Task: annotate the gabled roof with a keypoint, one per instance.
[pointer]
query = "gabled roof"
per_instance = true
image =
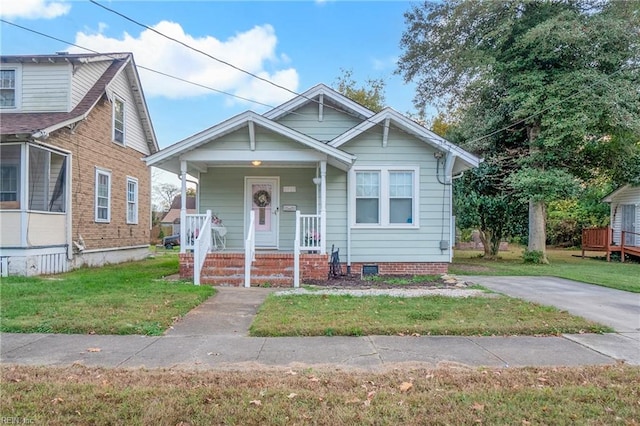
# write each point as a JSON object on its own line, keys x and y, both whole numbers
{"x": 172, "y": 153}
{"x": 312, "y": 95}
{"x": 609, "y": 198}
{"x": 409, "y": 126}
{"x": 39, "y": 124}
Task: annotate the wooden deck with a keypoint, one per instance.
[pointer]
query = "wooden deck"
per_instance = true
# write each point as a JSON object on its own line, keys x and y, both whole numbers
{"x": 601, "y": 239}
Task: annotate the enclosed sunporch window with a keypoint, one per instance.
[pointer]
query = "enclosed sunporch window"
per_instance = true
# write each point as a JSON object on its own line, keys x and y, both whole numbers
{"x": 47, "y": 180}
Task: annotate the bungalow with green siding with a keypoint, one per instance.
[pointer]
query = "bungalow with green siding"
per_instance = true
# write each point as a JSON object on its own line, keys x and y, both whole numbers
{"x": 317, "y": 172}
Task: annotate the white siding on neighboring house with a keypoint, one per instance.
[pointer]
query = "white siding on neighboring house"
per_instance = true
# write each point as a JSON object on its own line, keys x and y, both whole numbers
{"x": 84, "y": 77}
{"x": 393, "y": 244}
{"x": 628, "y": 196}
{"x": 134, "y": 134}
{"x": 45, "y": 87}
{"x": 305, "y": 120}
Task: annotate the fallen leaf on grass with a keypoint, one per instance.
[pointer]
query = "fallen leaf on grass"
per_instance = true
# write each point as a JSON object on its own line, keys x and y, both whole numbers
{"x": 292, "y": 395}
{"x": 405, "y": 386}
{"x": 477, "y": 406}
{"x": 255, "y": 402}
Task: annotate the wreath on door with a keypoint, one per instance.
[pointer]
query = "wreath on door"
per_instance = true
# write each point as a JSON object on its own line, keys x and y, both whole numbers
{"x": 262, "y": 198}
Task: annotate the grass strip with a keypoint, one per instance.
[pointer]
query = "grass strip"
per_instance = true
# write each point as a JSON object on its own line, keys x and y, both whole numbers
{"x": 81, "y": 395}
{"x": 129, "y": 298}
{"x": 344, "y": 315}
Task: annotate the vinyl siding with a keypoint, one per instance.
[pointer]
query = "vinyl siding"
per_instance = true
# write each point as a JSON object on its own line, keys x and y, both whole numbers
{"x": 134, "y": 133}
{"x": 403, "y": 245}
{"x": 631, "y": 195}
{"x": 305, "y": 120}
{"x": 45, "y": 87}
{"x": 84, "y": 77}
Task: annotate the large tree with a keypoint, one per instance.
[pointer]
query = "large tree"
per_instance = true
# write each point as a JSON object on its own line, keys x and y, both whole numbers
{"x": 548, "y": 82}
{"x": 370, "y": 95}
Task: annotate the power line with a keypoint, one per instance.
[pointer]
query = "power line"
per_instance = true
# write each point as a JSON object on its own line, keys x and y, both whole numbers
{"x": 137, "y": 65}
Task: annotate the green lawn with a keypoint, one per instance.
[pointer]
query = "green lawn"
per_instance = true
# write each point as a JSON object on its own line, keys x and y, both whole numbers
{"x": 318, "y": 315}
{"x": 563, "y": 264}
{"x": 130, "y": 298}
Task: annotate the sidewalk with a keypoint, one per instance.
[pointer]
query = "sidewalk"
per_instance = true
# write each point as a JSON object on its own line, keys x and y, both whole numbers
{"x": 215, "y": 336}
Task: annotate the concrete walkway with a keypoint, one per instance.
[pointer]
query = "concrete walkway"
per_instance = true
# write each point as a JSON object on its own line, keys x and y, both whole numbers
{"x": 215, "y": 336}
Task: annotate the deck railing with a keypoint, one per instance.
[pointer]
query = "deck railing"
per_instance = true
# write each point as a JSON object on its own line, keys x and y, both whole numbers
{"x": 596, "y": 238}
{"x": 202, "y": 246}
{"x": 250, "y": 249}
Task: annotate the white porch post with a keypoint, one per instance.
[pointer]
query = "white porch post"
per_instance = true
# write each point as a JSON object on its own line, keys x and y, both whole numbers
{"x": 323, "y": 206}
{"x": 183, "y": 206}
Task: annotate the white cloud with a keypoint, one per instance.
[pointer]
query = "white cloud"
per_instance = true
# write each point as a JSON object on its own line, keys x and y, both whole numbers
{"x": 384, "y": 64}
{"x": 253, "y": 50}
{"x": 33, "y": 9}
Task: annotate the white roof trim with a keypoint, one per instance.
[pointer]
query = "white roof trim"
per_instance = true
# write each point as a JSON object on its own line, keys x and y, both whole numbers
{"x": 408, "y": 126}
{"x": 238, "y": 122}
{"x": 609, "y": 198}
{"x": 310, "y": 95}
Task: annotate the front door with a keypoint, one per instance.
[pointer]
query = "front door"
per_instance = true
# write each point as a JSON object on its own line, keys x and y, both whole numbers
{"x": 261, "y": 195}
{"x": 628, "y": 223}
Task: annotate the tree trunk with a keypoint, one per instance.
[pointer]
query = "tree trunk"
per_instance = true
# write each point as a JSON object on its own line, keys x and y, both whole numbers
{"x": 537, "y": 228}
{"x": 487, "y": 242}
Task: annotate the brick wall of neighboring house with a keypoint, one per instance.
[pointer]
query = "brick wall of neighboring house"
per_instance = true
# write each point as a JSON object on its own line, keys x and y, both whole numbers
{"x": 92, "y": 146}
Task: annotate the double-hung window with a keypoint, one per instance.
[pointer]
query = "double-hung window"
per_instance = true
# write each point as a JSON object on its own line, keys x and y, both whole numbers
{"x": 118, "y": 120}
{"x": 132, "y": 200}
{"x": 8, "y": 87}
{"x": 103, "y": 196}
{"x": 385, "y": 196}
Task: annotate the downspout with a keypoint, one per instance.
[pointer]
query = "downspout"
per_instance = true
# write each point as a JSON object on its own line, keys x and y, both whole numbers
{"x": 183, "y": 206}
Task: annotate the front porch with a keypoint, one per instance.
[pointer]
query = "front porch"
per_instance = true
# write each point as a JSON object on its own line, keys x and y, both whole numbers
{"x": 601, "y": 239}
{"x": 269, "y": 269}
{"x": 203, "y": 256}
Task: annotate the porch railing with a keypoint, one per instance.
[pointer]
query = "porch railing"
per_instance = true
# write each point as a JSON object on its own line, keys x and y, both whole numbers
{"x": 194, "y": 223}
{"x": 250, "y": 249}
{"x": 307, "y": 237}
{"x": 202, "y": 246}
{"x": 309, "y": 231}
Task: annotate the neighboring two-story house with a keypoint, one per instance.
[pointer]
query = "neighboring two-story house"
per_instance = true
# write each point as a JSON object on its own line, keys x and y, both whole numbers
{"x": 74, "y": 190}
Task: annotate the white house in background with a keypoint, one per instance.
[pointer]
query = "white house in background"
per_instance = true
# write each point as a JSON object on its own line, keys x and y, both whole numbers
{"x": 625, "y": 214}
{"x": 73, "y": 187}
{"x": 319, "y": 171}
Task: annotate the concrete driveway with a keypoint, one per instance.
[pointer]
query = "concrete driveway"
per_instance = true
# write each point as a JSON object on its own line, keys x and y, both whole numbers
{"x": 615, "y": 308}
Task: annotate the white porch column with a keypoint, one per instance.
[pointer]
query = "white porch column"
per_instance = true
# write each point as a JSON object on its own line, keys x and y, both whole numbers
{"x": 323, "y": 206}
{"x": 183, "y": 206}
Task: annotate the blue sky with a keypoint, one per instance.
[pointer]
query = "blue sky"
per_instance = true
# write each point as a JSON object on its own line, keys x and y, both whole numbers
{"x": 294, "y": 43}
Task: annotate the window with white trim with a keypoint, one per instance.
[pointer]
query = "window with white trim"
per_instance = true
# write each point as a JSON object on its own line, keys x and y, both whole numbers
{"x": 103, "y": 196}
{"x": 8, "y": 86}
{"x": 132, "y": 200}
{"x": 118, "y": 120}
{"x": 9, "y": 182}
{"x": 385, "y": 196}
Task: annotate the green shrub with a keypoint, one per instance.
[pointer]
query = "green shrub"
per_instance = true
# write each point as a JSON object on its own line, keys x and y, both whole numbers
{"x": 533, "y": 256}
